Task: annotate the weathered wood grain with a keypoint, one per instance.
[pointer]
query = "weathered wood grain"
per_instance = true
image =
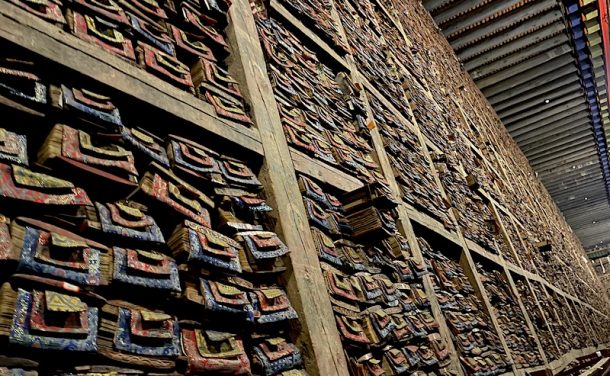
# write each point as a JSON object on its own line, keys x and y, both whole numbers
{"x": 318, "y": 336}
{"x": 49, "y": 41}
{"x": 321, "y": 171}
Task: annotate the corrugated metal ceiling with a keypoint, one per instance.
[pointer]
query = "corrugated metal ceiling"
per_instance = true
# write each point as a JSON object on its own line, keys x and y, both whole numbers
{"x": 540, "y": 64}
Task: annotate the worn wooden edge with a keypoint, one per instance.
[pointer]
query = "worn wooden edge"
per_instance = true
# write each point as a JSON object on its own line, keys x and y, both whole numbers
{"x": 49, "y": 41}
{"x": 482, "y": 252}
{"x": 404, "y": 224}
{"x": 599, "y": 366}
{"x": 525, "y": 314}
{"x": 505, "y": 235}
{"x": 315, "y": 332}
{"x": 470, "y": 270}
{"x": 432, "y": 146}
{"x": 545, "y": 319}
{"x": 309, "y": 34}
{"x": 576, "y": 316}
{"x": 431, "y": 223}
{"x": 559, "y": 364}
{"x": 381, "y": 98}
{"x": 323, "y": 172}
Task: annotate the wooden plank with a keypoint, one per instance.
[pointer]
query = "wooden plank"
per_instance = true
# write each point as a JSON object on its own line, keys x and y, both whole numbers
{"x": 525, "y": 314}
{"x": 469, "y": 267}
{"x": 317, "y": 336}
{"x": 32, "y": 33}
{"x": 407, "y": 230}
{"x": 322, "y": 171}
{"x": 381, "y": 98}
{"x": 599, "y": 366}
{"x": 310, "y": 35}
{"x": 543, "y": 314}
{"x": 430, "y": 223}
{"x": 474, "y": 247}
{"x": 432, "y": 146}
{"x": 505, "y": 234}
{"x": 586, "y": 324}
{"x": 404, "y": 223}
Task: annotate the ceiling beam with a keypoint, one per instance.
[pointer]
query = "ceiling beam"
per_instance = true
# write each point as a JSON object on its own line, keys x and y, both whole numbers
{"x": 545, "y": 119}
{"x": 594, "y": 191}
{"x": 596, "y": 233}
{"x": 586, "y": 222}
{"x": 537, "y": 100}
{"x": 495, "y": 61}
{"x": 582, "y": 190}
{"x": 600, "y": 209}
{"x": 560, "y": 170}
{"x": 493, "y": 48}
{"x": 550, "y": 181}
{"x": 593, "y": 194}
{"x": 583, "y": 217}
{"x": 460, "y": 9}
{"x": 533, "y": 67}
{"x": 571, "y": 159}
{"x": 567, "y": 152}
{"x": 578, "y": 130}
{"x": 577, "y": 204}
{"x": 508, "y": 90}
{"x": 566, "y": 79}
{"x": 536, "y": 154}
{"x": 501, "y": 24}
{"x": 567, "y": 183}
{"x": 431, "y": 5}
{"x": 544, "y": 107}
{"x": 570, "y": 171}
{"x": 558, "y": 126}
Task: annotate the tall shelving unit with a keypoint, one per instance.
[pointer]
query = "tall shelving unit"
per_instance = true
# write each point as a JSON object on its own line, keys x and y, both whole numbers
{"x": 316, "y": 333}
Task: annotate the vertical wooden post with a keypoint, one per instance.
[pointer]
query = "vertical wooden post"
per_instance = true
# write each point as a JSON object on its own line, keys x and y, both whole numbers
{"x": 528, "y": 321}
{"x": 512, "y": 283}
{"x": 542, "y": 313}
{"x": 318, "y": 337}
{"x": 404, "y": 223}
{"x": 469, "y": 267}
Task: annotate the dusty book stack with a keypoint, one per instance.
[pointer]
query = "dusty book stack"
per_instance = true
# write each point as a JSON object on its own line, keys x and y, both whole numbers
{"x": 269, "y": 188}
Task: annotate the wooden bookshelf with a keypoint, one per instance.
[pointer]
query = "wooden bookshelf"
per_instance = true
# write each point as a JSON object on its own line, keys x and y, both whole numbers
{"x": 316, "y": 332}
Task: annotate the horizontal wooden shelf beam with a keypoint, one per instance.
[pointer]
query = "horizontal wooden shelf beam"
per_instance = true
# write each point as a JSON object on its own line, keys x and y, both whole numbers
{"x": 480, "y": 251}
{"x": 385, "y": 101}
{"x": 320, "y": 45}
{"x": 483, "y": 193}
{"x": 49, "y": 41}
{"x": 535, "y": 277}
{"x": 559, "y": 364}
{"x": 432, "y": 147}
{"x": 430, "y": 223}
{"x": 324, "y": 172}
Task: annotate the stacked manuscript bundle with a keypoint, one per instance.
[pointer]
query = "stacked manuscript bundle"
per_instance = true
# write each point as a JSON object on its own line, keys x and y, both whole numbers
{"x": 126, "y": 249}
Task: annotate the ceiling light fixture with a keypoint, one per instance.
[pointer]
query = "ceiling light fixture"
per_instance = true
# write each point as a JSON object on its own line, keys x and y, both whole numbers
{"x": 586, "y": 198}
{"x": 547, "y": 101}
